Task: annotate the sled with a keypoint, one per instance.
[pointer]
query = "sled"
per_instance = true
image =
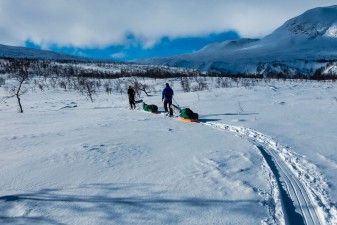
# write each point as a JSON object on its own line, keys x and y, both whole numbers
{"x": 189, "y": 120}
{"x": 187, "y": 115}
{"x": 150, "y": 108}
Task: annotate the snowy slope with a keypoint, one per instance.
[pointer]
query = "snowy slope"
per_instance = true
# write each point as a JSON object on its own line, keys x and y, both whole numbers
{"x": 69, "y": 161}
{"x": 22, "y": 52}
{"x": 104, "y": 164}
{"x": 297, "y": 45}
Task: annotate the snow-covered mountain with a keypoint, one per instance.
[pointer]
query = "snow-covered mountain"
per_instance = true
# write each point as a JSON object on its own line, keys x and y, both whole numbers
{"x": 22, "y": 52}
{"x": 302, "y": 44}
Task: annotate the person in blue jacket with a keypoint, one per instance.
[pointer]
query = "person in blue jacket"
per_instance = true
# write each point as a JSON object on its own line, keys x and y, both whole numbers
{"x": 167, "y": 97}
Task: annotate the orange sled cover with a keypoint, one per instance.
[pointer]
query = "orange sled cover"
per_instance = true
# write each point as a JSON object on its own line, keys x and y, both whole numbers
{"x": 189, "y": 120}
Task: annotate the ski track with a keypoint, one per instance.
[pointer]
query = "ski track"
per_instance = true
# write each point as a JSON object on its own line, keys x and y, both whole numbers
{"x": 302, "y": 189}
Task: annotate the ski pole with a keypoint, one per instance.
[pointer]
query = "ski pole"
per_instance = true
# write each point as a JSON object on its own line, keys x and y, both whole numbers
{"x": 176, "y": 106}
{"x": 138, "y": 100}
{"x": 176, "y": 102}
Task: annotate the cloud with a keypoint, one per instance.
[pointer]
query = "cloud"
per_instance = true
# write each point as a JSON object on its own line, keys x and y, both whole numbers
{"x": 118, "y": 55}
{"x": 98, "y": 24}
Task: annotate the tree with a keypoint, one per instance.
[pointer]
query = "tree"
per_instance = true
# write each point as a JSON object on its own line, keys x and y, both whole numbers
{"x": 185, "y": 84}
{"x": 87, "y": 87}
{"x": 139, "y": 87}
{"x": 19, "y": 72}
{"x": 2, "y": 81}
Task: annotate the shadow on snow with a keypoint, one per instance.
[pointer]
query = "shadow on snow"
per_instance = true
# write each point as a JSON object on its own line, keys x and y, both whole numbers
{"x": 230, "y": 114}
{"x": 142, "y": 206}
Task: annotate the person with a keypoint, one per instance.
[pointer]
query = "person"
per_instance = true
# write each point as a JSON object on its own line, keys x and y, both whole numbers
{"x": 131, "y": 94}
{"x": 167, "y": 97}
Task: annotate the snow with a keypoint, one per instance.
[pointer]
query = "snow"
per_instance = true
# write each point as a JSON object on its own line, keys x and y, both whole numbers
{"x": 332, "y": 31}
{"x": 69, "y": 161}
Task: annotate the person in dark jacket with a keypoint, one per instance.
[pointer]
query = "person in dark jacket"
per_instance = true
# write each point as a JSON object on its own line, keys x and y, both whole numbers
{"x": 167, "y": 97}
{"x": 131, "y": 94}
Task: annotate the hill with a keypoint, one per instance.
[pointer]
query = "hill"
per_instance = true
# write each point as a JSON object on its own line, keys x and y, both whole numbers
{"x": 22, "y": 52}
{"x": 301, "y": 45}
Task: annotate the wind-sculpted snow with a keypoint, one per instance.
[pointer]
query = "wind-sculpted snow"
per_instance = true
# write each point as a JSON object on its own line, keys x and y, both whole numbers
{"x": 301, "y": 179}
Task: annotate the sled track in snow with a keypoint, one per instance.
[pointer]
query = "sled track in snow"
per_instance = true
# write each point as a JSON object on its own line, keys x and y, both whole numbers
{"x": 302, "y": 190}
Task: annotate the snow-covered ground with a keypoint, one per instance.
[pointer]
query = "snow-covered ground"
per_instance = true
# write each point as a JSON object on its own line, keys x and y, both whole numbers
{"x": 261, "y": 155}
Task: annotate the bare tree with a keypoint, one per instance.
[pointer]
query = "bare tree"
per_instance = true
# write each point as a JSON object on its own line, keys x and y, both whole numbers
{"x": 19, "y": 71}
{"x": 53, "y": 82}
{"x": 201, "y": 84}
{"x": 223, "y": 82}
{"x": 185, "y": 84}
{"x": 119, "y": 86}
{"x": 87, "y": 87}
{"x": 139, "y": 87}
{"x": 63, "y": 84}
{"x": 42, "y": 86}
{"x": 2, "y": 81}
{"x": 240, "y": 108}
{"x": 145, "y": 88}
{"x": 107, "y": 87}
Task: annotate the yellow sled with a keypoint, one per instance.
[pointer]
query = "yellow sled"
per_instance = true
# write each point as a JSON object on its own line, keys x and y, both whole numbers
{"x": 189, "y": 120}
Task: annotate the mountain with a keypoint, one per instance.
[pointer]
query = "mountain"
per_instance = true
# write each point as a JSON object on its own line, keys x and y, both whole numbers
{"x": 302, "y": 44}
{"x": 22, "y": 52}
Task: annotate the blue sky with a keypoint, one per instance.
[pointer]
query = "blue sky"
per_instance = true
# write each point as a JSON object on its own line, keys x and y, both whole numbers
{"x": 131, "y": 29}
{"x": 165, "y": 47}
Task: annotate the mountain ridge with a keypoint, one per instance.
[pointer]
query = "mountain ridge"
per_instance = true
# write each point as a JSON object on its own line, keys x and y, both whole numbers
{"x": 23, "y": 52}
{"x": 298, "y": 46}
